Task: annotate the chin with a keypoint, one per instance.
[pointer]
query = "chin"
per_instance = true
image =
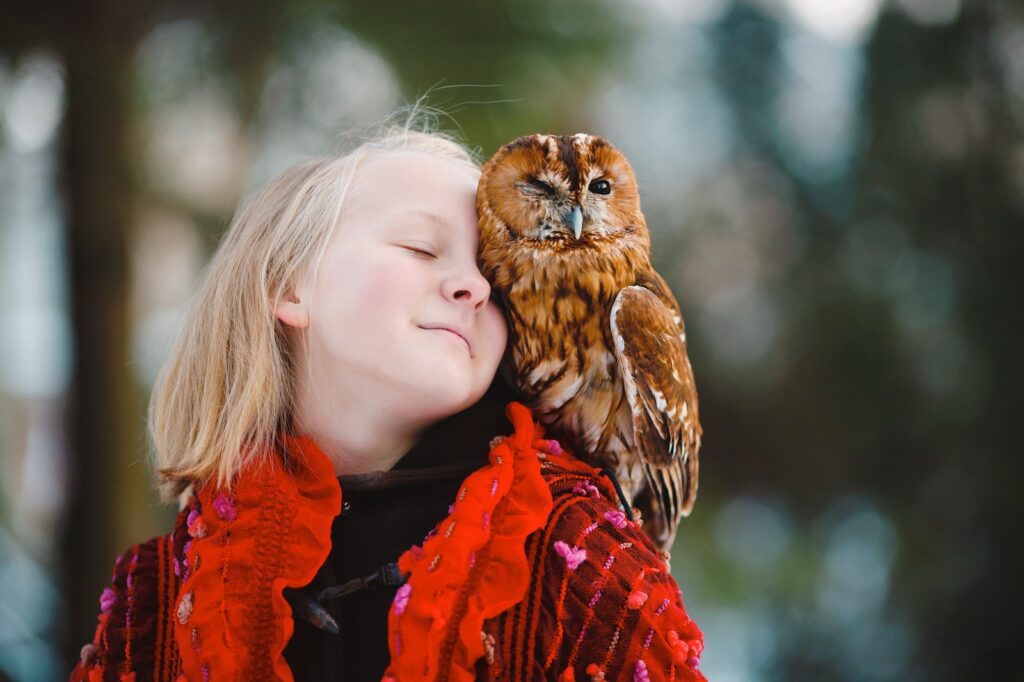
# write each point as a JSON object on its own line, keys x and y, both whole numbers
{"x": 444, "y": 394}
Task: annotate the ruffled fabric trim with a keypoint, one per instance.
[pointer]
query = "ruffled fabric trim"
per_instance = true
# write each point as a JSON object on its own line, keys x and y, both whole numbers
{"x": 271, "y": 530}
{"x": 473, "y": 566}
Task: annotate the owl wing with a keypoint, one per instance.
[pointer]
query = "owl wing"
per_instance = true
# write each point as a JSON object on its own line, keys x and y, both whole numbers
{"x": 650, "y": 347}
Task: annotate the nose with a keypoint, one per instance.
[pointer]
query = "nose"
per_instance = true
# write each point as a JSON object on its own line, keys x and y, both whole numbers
{"x": 468, "y": 286}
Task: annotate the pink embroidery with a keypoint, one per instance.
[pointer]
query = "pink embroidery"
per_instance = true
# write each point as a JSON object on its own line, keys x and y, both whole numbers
{"x": 640, "y": 672}
{"x": 88, "y": 654}
{"x": 636, "y": 599}
{"x": 574, "y": 556}
{"x": 225, "y": 508}
{"x": 586, "y": 489}
{"x": 489, "y": 642}
{"x": 554, "y": 447}
{"x": 185, "y": 608}
{"x": 107, "y": 600}
{"x": 616, "y": 518}
{"x": 683, "y": 650}
{"x": 197, "y": 528}
{"x": 402, "y": 599}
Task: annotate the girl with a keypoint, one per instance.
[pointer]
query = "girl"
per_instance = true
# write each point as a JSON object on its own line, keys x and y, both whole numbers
{"x": 331, "y": 403}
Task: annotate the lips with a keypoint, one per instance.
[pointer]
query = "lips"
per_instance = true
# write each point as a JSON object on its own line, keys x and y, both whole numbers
{"x": 457, "y": 331}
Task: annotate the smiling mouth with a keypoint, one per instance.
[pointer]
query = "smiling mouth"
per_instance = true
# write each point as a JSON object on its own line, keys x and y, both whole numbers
{"x": 454, "y": 333}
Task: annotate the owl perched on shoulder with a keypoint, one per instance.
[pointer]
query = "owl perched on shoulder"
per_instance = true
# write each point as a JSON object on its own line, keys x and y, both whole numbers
{"x": 597, "y": 344}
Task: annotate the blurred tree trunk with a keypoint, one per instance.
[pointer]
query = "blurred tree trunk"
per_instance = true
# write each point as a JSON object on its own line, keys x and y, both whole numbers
{"x": 97, "y": 40}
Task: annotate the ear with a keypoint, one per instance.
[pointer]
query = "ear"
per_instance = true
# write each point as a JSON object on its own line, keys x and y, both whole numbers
{"x": 293, "y": 310}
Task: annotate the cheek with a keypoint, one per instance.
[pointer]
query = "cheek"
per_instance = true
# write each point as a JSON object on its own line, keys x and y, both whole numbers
{"x": 370, "y": 297}
{"x": 495, "y": 330}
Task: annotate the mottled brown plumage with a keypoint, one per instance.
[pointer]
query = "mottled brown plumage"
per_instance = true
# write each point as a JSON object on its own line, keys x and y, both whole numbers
{"x": 596, "y": 340}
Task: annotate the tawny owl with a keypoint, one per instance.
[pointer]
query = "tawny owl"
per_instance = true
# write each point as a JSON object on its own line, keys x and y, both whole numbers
{"x": 597, "y": 344}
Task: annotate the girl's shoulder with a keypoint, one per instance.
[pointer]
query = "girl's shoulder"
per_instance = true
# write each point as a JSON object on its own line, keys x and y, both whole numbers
{"x": 133, "y": 630}
{"x": 601, "y": 603}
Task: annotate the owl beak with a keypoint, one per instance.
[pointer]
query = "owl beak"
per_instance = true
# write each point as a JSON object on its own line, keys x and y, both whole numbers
{"x": 575, "y": 219}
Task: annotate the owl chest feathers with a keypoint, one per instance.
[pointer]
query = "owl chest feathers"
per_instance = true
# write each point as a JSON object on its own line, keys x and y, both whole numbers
{"x": 562, "y": 348}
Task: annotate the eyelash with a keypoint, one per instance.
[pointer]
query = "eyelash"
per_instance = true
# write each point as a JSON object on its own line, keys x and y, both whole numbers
{"x": 420, "y": 252}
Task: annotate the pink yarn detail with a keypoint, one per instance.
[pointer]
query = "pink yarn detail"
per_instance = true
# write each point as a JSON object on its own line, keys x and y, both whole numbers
{"x": 574, "y": 556}
{"x": 640, "y": 672}
{"x": 616, "y": 518}
{"x": 636, "y": 599}
{"x": 185, "y": 608}
{"x": 225, "y": 508}
{"x": 554, "y": 447}
{"x": 107, "y": 600}
{"x": 586, "y": 489}
{"x": 197, "y": 528}
{"x": 402, "y": 599}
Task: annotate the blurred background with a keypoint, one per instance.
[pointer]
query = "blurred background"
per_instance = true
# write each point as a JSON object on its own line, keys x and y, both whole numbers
{"x": 835, "y": 190}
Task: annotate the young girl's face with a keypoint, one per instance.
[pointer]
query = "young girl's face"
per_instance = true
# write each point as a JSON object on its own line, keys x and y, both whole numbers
{"x": 399, "y": 315}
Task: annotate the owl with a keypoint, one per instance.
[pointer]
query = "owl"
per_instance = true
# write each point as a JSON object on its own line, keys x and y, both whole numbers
{"x": 597, "y": 345}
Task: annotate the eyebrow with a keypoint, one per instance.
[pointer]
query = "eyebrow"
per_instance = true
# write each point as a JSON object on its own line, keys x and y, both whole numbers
{"x": 430, "y": 216}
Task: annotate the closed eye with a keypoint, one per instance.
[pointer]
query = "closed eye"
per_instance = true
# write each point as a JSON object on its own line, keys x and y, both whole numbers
{"x": 537, "y": 186}
{"x": 423, "y": 253}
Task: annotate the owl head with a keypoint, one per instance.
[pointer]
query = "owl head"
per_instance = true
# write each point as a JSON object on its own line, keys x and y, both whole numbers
{"x": 561, "y": 194}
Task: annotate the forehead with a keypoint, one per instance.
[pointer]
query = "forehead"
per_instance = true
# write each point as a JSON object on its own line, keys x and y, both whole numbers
{"x": 396, "y": 194}
{"x": 400, "y": 182}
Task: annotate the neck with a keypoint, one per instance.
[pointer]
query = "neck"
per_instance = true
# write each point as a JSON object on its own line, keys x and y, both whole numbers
{"x": 357, "y": 437}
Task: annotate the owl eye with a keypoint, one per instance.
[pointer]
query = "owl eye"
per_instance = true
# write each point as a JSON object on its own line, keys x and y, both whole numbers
{"x": 601, "y": 187}
{"x": 541, "y": 185}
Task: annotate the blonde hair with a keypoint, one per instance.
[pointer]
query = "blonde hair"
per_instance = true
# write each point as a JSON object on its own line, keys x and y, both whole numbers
{"x": 225, "y": 394}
